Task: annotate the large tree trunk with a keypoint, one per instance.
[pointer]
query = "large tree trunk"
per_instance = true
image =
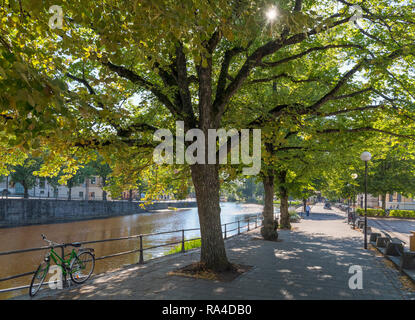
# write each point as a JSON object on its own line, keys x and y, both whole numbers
{"x": 284, "y": 215}
{"x": 304, "y": 205}
{"x": 104, "y": 193}
{"x": 26, "y": 192}
{"x": 283, "y": 193}
{"x": 206, "y": 182}
{"x": 269, "y": 229}
{"x": 383, "y": 196}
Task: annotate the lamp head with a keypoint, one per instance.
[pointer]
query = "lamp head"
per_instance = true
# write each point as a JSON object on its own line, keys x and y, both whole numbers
{"x": 354, "y": 176}
{"x": 366, "y": 156}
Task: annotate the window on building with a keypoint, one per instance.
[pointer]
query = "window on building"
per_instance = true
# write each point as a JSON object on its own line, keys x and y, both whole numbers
{"x": 391, "y": 198}
{"x": 42, "y": 183}
{"x": 81, "y": 194}
{"x": 92, "y": 194}
{"x": 399, "y": 197}
{"x": 93, "y": 180}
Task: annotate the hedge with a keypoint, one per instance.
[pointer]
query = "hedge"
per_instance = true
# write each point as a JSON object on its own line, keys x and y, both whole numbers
{"x": 292, "y": 202}
{"x": 371, "y": 212}
{"x": 402, "y": 213}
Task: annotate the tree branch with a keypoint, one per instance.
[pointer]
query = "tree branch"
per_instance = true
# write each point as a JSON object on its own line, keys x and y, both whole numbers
{"x": 298, "y": 5}
{"x": 363, "y": 129}
{"x": 299, "y": 55}
{"x": 136, "y": 79}
{"x": 322, "y": 114}
{"x": 282, "y": 75}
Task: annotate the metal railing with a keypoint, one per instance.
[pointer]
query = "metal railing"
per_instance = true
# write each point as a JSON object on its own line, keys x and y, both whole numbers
{"x": 256, "y": 221}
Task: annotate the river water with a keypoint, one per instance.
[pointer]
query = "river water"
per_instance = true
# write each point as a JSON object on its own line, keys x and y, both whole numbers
{"x": 97, "y": 229}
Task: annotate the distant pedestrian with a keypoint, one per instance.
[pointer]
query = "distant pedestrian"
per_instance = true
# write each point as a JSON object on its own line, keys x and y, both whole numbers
{"x": 307, "y": 210}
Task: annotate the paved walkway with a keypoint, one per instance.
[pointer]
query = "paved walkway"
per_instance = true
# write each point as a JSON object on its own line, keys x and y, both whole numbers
{"x": 311, "y": 262}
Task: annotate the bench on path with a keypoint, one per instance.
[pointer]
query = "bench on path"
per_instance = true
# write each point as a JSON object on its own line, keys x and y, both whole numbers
{"x": 394, "y": 247}
{"x": 361, "y": 225}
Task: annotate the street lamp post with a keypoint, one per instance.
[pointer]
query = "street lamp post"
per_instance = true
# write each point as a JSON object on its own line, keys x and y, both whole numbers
{"x": 365, "y": 156}
{"x": 348, "y": 205}
{"x": 354, "y": 177}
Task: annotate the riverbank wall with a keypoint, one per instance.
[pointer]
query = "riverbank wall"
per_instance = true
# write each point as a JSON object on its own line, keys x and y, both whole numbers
{"x": 22, "y": 212}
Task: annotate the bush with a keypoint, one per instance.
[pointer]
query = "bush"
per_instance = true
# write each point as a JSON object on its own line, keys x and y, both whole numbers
{"x": 402, "y": 213}
{"x": 294, "y": 216}
{"x": 371, "y": 212}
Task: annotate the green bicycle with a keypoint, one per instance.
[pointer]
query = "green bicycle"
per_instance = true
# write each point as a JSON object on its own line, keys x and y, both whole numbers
{"x": 79, "y": 265}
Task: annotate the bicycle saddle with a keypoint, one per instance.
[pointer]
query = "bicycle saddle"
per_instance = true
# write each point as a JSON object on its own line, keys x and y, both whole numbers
{"x": 74, "y": 244}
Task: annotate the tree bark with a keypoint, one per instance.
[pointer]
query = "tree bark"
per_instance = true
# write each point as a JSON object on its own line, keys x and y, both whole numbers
{"x": 26, "y": 192}
{"x": 304, "y": 205}
{"x": 104, "y": 193}
{"x": 283, "y": 192}
{"x": 269, "y": 229}
{"x": 383, "y": 197}
{"x": 206, "y": 182}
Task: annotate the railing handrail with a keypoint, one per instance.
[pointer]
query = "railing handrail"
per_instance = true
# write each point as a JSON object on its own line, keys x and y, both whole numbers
{"x": 141, "y": 249}
{"x": 106, "y": 240}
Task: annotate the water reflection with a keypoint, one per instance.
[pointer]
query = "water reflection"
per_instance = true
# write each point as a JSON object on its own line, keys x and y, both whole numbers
{"x": 143, "y": 223}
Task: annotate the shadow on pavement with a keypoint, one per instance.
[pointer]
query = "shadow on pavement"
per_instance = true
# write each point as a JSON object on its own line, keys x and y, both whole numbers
{"x": 302, "y": 266}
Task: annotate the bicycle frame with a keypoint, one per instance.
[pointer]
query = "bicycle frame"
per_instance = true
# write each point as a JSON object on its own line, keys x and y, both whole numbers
{"x": 61, "y": 261}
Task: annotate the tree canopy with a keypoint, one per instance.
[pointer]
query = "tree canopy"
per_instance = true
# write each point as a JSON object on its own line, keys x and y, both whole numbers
{"x": 118, "y": 70}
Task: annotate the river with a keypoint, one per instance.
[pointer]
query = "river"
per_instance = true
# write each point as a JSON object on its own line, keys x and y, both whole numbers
{"x": 97, "y": 229}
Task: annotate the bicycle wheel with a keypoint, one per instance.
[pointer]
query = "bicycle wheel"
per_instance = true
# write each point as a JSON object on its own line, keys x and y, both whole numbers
{"x": 82, "y": 267}
{"x": 38, "y": 278}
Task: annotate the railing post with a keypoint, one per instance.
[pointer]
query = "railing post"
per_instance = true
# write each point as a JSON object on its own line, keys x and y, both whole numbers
{"x": 183, "y": 241}
{"x": 225, "y": 231}
{"x": 141, "y": 261}
{"x": 248, "y": 224}
{"x": 64, "y": 279}
{"x": 239, "y": 227}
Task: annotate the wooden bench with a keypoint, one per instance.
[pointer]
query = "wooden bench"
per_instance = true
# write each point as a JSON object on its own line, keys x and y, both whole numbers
{"x": 408, "y": 260}
{"x": 374, "y": 236}
{"x": 395, "y": 247}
